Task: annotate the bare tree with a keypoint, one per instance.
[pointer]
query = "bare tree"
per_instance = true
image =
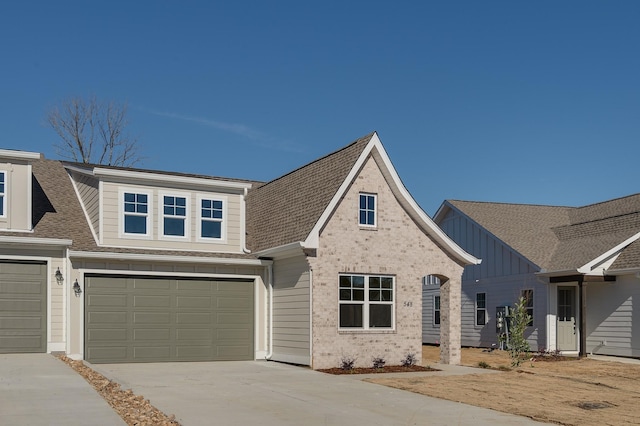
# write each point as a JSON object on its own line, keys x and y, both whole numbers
{"x": 94, "y": 132}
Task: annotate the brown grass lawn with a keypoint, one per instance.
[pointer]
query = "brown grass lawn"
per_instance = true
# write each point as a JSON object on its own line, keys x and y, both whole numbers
{"x": 571, "y": 392}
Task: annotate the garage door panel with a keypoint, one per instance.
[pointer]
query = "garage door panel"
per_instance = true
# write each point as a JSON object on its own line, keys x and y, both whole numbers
{"x": 21, "y": 305}
{"x": 106, "y": 353}
{"x": 119, "y": 300}
{"x": 152, "y": 301}
{"x": 193, "y": 302}
{"x": 176, "y": 320}
{"x": 151, "y": 318}
{"x": 106, "y": 284}
{"x": 7, "y": 289}
{"x": 21, "y": 343}
{"x": 21, "y": 269}
{"x": 140, "y": 334}
{"x": 114, "y": 317}
{"x": 20, "y": 323}
{"x": 108, "y": 335}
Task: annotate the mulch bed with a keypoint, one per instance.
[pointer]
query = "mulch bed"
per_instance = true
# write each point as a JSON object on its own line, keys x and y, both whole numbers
{"x": 371, "y": 370}
{"x": 134, "y": 409}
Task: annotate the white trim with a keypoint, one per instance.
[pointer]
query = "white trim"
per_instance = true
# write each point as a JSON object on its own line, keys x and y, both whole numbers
{"x": 375, "y": 210}
{"x": 35, "y": 241}
{"x": 292, "y": 359}
{"x": 588, "y": 267}
{"x": 19, "y": 155}
{"x": 168, "y": 178}
{"x": 486, "y": 316}
{"x": 223, "y": 222}
{"x": 101, "y": 214}
{"x": 366, "y": 303}
{"x": 29, "y": 197}
{"x": 148, "y": 216}
{"x": 433, "y": 317}
{"x": 283, "y": 251}
{"x": 186, "y": 217}
{"x": 162, "y": 258}
{"x": 406, "y": 200}
{"x": 4, "y": 195}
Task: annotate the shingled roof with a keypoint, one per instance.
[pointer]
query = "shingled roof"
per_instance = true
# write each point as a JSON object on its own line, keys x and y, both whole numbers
{"x": 562, "y": 238}
{"x": 286, "y": 209}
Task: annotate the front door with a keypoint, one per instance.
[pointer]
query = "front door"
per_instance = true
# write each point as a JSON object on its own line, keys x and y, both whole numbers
{"x": 567, "y": 319}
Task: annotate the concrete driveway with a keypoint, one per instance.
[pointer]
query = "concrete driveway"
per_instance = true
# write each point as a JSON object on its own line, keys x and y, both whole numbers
{"x": 270, "y": 393}
{"x": 39, "y": 389}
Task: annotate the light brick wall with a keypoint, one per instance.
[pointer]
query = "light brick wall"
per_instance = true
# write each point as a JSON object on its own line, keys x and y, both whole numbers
{"x": 395, "y": 247}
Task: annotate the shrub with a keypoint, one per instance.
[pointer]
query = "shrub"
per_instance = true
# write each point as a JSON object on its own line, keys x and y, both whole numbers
{"x": 409, "y": 360}
{"x": 347, "y": 363}
{"x": 483, "y": 364}
{"x": 378, "y": 362}
{"x": 518, "y": 344}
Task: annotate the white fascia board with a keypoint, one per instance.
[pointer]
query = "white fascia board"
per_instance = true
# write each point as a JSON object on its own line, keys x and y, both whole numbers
{"x": 588, "y": 268}
{"x": 58, "y": 242}
{"x": 172, "y": 179}
{"x": 287, "y": 250}
{"x": 161, "y": 258}
{"x": 403, "y": 195}
{"x": 19, "y": 155}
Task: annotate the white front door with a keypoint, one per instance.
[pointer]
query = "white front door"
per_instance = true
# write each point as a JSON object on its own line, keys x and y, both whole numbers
{"x": 566, "y": 331}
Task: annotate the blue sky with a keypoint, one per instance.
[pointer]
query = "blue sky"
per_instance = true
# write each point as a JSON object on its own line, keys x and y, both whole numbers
{"x": 524, "y": 102}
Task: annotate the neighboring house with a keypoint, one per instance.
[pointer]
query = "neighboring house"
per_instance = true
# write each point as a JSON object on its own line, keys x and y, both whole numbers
{"x": 113, "y": 264}
{"x": 577, "y": 267}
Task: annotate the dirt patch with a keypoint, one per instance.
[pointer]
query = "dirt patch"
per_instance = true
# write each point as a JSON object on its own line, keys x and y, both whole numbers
{"x": 581, "y": 392}
{"x": 134, "y": 409}
{"x": 385, "y": 369}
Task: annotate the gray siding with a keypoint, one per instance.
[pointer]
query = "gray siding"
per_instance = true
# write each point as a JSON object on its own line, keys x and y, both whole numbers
{"x": 90, "y": 197}
{"x": 499, "y": 292}
{"x": 291, "y": 310}
{"x": 612, "y": 327}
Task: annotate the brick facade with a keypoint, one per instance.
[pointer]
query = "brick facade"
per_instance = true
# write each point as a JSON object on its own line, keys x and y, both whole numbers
{"x": 396, "y": 246}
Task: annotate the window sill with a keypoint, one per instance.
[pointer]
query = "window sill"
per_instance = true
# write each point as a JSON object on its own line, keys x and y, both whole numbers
{"x": 368, "y": 228}
{"x": 369, "y": 331}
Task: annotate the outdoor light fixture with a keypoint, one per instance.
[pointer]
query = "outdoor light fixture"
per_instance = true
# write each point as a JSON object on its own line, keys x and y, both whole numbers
{"x": 76, "y": 289}
{"x": 59, "y": 278}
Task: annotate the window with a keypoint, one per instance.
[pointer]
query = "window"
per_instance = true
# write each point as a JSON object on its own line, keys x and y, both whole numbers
{"x": 211, "y": 218}
{"x": 367, "y": 211}
{"x": 174, "y": 211}
{"x": 436, "y": 310}
{"x": 3, "y": 194}
{"x": 527, "y": 295}
{"x": 136, "y": 213}
{"x": 366, "y": 302}
{"x": 481, "y": 308}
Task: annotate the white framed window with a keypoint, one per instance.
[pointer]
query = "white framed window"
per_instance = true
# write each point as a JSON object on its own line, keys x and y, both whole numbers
{"x": 436, "y": 310}
{"x": 135, "y": 206}
{"x": 367, "y": 211}
{"x": 212, "y": 214}
{"x": 481, "y": 308}
{"x": 527, "y": 295}
{"x": 366, "y": 302}
{"x": 174, "y": 214}
{"x": 3, "y": 194}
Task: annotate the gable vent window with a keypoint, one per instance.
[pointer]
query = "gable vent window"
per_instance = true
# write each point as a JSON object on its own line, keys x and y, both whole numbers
{"x": 367, "y": 211}
{"x": 136, "y": 213}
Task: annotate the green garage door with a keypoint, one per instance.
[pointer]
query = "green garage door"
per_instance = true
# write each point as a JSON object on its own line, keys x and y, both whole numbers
{"x": 151, "y": 319}
{"x": 23, "y": 307}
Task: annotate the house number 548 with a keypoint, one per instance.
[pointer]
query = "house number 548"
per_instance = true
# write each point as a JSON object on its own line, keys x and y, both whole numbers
{"x": 408, "y": 304}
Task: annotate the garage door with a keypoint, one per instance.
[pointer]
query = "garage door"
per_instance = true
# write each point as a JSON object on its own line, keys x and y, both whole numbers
{"x": 23, "y": 307}
{"x": 150, "y": 319}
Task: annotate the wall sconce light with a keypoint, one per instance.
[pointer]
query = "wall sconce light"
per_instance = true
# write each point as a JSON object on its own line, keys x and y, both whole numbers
{"x": 76, "y": 289}
{"x": 59, "y": 278}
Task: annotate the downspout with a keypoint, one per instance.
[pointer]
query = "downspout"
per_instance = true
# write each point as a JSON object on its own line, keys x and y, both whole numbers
{"x": 243, "y": 221}
{"x": 269, "y": 355}
{"x": 583, "y": 318}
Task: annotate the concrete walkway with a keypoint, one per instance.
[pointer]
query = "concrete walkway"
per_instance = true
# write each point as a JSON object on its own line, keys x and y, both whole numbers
{"x": 274, "y": 394}
{"x": 39, "y": 389}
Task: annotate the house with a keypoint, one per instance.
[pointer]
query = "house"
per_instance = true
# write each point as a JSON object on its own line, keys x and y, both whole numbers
{"x": 112, "y": 264}
{"x": 578, "y": 269}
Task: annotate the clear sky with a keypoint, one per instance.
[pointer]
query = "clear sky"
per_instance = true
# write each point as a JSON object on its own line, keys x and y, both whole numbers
{"x": 507, "y": 101}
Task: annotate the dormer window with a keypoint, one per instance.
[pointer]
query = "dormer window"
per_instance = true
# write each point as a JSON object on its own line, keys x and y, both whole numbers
{"x": 367, "y": 210}
{"x": 212, "y": 219}
{"x": 174, "y": 211}
{"x": 136, "y": 213}
{"x": 3, "y": 194}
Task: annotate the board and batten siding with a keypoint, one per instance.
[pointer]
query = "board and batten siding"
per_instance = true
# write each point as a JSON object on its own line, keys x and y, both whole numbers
{"x": 291, "y": 310}
{"x": 111, "y": 219}
{"x": 612, "y": 327}
{"x": 497, "y": 259}
{"x": 87, "y": 188}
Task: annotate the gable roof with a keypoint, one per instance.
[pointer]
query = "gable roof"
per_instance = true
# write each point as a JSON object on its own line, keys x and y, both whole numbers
{"x": 562, "y": 238}
{"x": 294, "y": 208}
